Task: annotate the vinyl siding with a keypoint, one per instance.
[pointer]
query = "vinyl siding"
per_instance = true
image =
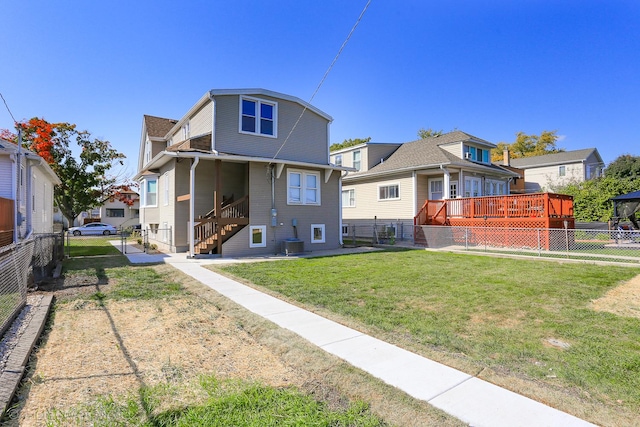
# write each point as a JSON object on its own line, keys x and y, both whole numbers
{"x": 308, "y": 142}
{"x": 376, "y": 152}
{"x": 368, "y": 206}
{"x": 455, "y": 148}
{"x": 201, "y": 121}
{"x": 546, "y": 176}
{"x": 260, "y": 214}
{"x": 7, "y": 178}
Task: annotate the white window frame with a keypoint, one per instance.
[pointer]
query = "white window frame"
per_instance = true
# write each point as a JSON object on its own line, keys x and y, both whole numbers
{"x": 322, "y": 232}
{"x": 431, "y": 192}
{"x": 395, "y": 184}
{"x": 562, "y": 170}
{"x": 345, "y": 229}
{"x": 145, "y": 195}
{"x": 258, "y": 118}
{"x": 303, "y": 187}
{"x": 351, "y": 198}
{"x": 263, "y": 231}
{"x": 338, "y": 159}
{"x": 186, "y": 130}
{"x": 357, "y": 164}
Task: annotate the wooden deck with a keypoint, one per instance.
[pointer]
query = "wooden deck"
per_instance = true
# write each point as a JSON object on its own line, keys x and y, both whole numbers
{"x": 539, "y": 210}
{"x": 513, "y": 217}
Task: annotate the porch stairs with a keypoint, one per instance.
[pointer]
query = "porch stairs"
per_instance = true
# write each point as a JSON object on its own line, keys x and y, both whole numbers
{"x": 209, "y": 229}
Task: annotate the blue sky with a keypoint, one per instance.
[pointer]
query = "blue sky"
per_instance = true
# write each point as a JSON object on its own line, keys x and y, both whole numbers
{"x": 489, "y": 68}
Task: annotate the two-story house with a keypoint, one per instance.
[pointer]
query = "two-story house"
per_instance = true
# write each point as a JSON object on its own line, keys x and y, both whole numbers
{"x": 395, "y": 180}
{"x": 26, "y": 193}
{"x": 241, "y": 173}
{"x": 547, "y": 172}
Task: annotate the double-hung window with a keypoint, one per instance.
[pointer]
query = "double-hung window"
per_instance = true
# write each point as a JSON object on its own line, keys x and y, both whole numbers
{"x": 303, "y": 187}
{"x": 338, "y": 160}
{"x": 562, "y": 170}
{"x": 389, "y": 192}
{"x": 150, "y": 192}
{"x": 348, "y": 198}
{"x": 357, "y": 163}
{"x": 258, "y": 117}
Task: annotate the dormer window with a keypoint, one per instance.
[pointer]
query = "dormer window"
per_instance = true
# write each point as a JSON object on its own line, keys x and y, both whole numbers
{"x": 186, "y": 131}
{"x": 258, "y": 116}
{"x": 476, "y": 154}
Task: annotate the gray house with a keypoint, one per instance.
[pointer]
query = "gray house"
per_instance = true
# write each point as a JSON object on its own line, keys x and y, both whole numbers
{"x": 243, "y": 172}
{"x": 544, "y": 173}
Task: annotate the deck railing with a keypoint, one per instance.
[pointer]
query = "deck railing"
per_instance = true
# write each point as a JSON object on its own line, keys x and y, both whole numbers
{"x": 538, "y": 205}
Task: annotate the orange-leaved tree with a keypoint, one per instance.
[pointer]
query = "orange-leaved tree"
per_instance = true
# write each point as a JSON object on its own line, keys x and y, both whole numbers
{"x": 86, "y": 181}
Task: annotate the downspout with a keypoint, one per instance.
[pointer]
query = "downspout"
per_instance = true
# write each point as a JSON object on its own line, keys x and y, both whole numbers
{"x": 192, "y": 205}
{"x": 340, "y": 210}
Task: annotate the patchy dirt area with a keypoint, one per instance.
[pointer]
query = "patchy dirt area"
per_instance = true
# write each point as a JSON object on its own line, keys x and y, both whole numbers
{"x": 623, "y": 300}
{"x": 96, "y": 347}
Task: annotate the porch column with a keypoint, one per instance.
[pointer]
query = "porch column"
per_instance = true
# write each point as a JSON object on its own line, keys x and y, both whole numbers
{"x": 446, "y": 191}
{"x": 217, "y": 200}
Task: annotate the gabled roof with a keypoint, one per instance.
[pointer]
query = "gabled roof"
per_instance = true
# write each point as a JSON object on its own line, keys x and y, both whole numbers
{"x": 564, "y": 157}
{"x": 158, "y": 127}
{"x": 425, "y": 153}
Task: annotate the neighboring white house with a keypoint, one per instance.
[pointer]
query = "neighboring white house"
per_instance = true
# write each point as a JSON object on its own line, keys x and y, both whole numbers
{"x": 115, "y": 211}
{"x": 27, "y": 179}
{"x": 393, "y": 181}
{"x": 544, "y": 173}
{"x": 243, "y": 172}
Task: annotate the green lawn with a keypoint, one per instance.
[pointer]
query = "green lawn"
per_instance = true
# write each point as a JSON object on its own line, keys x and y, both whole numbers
{"x": 90, "y": 246}
{"x": 495, "y": 312}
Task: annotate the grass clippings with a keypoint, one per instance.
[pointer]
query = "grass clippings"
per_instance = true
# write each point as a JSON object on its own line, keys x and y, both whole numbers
{"x": 131, "y": 345}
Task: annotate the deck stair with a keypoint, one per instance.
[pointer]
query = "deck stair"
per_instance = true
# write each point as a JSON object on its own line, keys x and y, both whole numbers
{"x": 234, "y": 216}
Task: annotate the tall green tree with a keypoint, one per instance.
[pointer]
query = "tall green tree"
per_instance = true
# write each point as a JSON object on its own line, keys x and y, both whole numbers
{"x": 625, "y": 166}
{"x": 86, "y": 181}
{"x": 348, "y": 143}
{"x": 528, "y": 145}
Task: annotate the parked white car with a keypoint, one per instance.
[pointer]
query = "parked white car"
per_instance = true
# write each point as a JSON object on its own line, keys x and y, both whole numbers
{"x": 93, "y": 228}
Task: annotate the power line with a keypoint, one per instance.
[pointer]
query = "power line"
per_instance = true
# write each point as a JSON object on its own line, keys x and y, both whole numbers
{"x": 8, "y": 109}
{"x": 366, "y": 6}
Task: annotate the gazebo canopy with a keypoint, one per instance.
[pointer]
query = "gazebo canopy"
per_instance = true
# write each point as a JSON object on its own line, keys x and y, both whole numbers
{"x": 626, "y": 206}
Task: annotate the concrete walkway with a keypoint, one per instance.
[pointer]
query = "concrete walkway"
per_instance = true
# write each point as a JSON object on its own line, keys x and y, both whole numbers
{"x": 461, "y": 395}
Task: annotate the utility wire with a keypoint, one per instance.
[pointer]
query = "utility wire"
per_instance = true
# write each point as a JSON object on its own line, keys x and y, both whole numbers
{"x": 8, "y": 109}
{"x": 366, "y": 6}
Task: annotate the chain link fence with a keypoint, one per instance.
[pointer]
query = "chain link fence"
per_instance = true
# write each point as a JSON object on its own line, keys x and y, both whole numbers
{"x": 587, "y": 244}
{"x": 22, "y": 264}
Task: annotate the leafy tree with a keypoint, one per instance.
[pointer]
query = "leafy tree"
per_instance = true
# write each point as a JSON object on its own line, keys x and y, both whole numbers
{"x": 428, "y": 133}
{"x": 348, "y": 143}
{"x": 528, "y": 145}
{"x": 625, "y": 166}
{"x": 86, "y": 181}
{"x": 591, "y": 198}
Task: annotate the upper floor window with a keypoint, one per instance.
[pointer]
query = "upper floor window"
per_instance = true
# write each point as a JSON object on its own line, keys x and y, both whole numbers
{"x": 186, "y": 131}
{"x": 338, "y": 160}
{"x": 562, "y": 170}
{"x": 389, "y": 192}
{"x": 356, "y": 160}
{"x": 258, "y": 116}
{"x": 303, "y": 188}
{"x": 476, "y": 154}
